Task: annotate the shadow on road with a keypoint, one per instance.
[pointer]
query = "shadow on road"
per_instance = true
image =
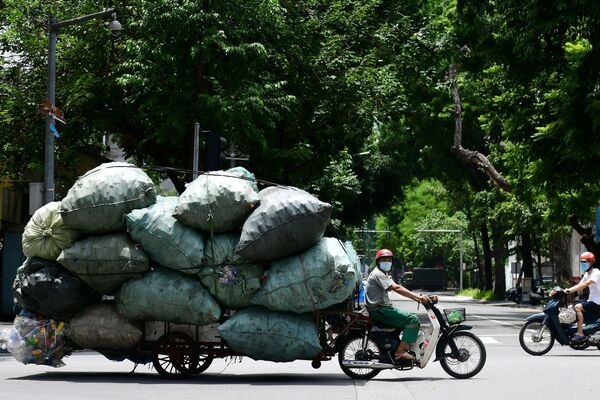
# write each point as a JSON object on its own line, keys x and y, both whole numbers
{"x": 205, "y": 378}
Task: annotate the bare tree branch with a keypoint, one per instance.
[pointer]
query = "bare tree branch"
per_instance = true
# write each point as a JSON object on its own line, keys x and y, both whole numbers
{"x": 470, "y": 156}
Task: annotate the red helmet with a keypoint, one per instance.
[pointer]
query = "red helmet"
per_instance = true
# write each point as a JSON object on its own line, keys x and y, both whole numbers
{"x": 383, "y": 253}
{"x": 589, "y": 257}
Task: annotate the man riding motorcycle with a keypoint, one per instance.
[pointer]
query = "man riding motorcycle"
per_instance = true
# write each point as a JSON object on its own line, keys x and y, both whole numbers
{"x": 380, "y": 307}
{"x": 587, "y": 311}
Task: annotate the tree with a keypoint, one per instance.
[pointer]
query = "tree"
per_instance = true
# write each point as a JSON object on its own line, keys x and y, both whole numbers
{"x": 542, "y": 60}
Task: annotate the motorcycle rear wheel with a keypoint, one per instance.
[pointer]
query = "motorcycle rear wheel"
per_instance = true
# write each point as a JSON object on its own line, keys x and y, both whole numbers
{"x": 535, "y": 341}
{"x": 470, "y": 358}
{"x": 351, "y": 350}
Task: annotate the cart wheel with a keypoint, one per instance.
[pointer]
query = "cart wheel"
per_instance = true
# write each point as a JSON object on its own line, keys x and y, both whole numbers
{"x": 204, "y": 360}
{"x": 175, "y": 355}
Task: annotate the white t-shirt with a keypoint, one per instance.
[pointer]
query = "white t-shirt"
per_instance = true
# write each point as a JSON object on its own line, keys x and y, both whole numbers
{"x": 594, "y": 276}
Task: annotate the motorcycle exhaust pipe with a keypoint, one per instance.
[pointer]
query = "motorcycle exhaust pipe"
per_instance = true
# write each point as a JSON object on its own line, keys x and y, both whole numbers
{"x": 366, "y": 364}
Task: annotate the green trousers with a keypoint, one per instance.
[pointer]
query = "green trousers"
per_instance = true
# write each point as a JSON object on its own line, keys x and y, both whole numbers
{"x": 408, "y": 322}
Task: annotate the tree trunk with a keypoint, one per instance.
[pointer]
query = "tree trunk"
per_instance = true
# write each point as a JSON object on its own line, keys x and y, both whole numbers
{"x": 538, "y": 256}
{"x": 478, "y": 263}
{"x": 560, "y": 257}
{"x": 487, "y": 258}
{"x": 526, "y": 255}
{"x": 499, "y": 254}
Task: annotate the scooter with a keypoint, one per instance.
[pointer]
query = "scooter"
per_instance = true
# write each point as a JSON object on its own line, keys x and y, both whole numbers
{"x": 540, "y": 330}
{"x": 368, "y": 347}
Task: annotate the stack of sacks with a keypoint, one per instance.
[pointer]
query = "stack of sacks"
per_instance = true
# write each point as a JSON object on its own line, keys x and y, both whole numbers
{"x": 221, "y": 245}
{"x": 307, "y": 272}
{"x": 78, "y": 249}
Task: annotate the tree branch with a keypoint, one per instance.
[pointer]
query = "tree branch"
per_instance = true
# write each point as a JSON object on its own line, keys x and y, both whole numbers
{"x": 587, "y": 235}
{"x": 470, "y": 156}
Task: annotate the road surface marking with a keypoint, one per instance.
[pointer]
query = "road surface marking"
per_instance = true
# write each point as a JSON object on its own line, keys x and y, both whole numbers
{"x": 488, "y": 340}
{"x": 496, "y": 321}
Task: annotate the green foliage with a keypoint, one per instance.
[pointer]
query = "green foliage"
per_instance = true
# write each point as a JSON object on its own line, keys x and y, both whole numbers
{"x": 348, "y": 99}
{"x": 425, "y": 208}
{"x": 478, "y": 294}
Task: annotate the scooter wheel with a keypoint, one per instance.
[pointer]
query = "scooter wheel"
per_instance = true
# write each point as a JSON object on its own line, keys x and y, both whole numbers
{"x": 536, "y": 338}
{"x": 352, "y": 349}
{"x": 464, "y": 355}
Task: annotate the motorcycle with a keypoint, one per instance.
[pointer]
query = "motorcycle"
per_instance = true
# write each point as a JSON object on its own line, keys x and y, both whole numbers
{"x": 541, "y": 330}
{"x": 368, "y": 347}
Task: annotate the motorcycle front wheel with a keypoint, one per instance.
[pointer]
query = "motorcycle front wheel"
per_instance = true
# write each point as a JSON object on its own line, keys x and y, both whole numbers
{"x": 352, "y": 349}
{"x": 535, "y": 338}
{"x": 469, "y": 358}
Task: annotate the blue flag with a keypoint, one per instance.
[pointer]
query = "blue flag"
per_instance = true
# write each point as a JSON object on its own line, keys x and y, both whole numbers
{"x": 53, "y": 129}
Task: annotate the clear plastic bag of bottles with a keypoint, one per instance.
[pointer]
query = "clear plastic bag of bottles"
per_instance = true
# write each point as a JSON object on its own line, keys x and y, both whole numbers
{"x": 36, "y": 340}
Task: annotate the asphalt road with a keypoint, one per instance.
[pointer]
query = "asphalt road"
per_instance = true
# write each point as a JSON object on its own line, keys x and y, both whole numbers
{"x": 509, "y": 373}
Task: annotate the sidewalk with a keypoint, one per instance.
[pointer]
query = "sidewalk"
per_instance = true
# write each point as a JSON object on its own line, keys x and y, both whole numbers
{"x": 450, "y": 297}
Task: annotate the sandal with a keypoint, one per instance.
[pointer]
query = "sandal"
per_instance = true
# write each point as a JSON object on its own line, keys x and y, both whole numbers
{"x": 404, "y": 357}
{"x": 578, "y": 338}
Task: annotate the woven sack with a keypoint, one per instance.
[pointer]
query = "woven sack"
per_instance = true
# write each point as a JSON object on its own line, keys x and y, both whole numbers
{"x": 167, "y": 241}
{"x": 273, "y": 336}
{"x": 105, "y": 262}
{"x": 99, "y": 200}
{"x": 100, "y": 326}
{"x": 318, "y": 278}
{"x": 288, "y": 221}
{"x": 46, "y": 235}
{"x": 166, "y": 295}
{"x": 217, "y": 201}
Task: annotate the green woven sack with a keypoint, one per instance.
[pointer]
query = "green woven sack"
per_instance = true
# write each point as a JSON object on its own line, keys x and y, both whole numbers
{"x": 99, "y": 200}
{"x": 46, "y": 235}
{"x": 232, "y": 285}
{"x": 219, "y": 249}
{"x": 105, "y": 262}
{"x": 100, "y": 326}
{"x": 167, "y": 295}
{"x": 232, "y": 280}
{"x": 167, "y": 241}
{"x": 315, "y": 279}
{"x": 353, "y": 255}
{"x": 288, "y": 221}
{"x": 217, "y": 201}
{"x": 273, "y": 336}
{"x": 244, "y": 173}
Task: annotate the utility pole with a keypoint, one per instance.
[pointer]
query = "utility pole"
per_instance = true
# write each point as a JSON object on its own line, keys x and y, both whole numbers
{"x": 51, "y": 114}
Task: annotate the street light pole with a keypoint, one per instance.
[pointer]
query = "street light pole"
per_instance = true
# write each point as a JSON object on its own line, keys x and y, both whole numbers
{"x": 461, "y": 261}
{"x": 53, "y": 28}
{"x": 460, "y": 267}
{"x": 49, "y": 144}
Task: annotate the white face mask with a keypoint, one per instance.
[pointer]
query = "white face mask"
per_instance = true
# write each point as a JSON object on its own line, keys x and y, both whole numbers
{"x": 385, "y": 266}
